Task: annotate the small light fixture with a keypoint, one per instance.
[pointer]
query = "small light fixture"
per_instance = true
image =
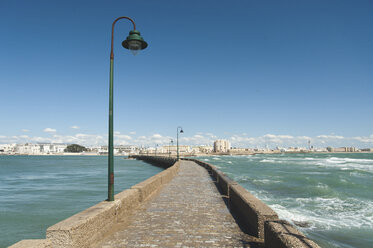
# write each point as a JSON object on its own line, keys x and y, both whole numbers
{"x": 134, "y": 42}
{"x": 181, "y": 131}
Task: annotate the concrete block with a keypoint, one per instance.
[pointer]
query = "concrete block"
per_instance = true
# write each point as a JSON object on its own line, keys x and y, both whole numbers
{"x": 164, "y": 162}
{"x": 148, "y": 187}
{"x": 86, "y": 227}
{"x": 89, "y": 226}
{"x": 281, "y": 234}
{"x": 168, "y": 174}
{"x": 128, "y": 200}
{"x": 33, "y": 243}
{"x": 252, "y": 211}
{"x": 224, "y": 183}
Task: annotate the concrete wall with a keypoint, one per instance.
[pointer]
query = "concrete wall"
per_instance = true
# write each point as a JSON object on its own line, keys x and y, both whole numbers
{"x": 91, "y": 225}
{"x": 281, "y": 234}
{"x": 33, "y": 243}
{"x": 261, "y": 221}
{"x": 164, "y": 162}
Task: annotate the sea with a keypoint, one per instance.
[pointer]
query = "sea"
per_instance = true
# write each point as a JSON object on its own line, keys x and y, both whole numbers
{"x": 330, "y": 194}
{"x": 38, "y": 191}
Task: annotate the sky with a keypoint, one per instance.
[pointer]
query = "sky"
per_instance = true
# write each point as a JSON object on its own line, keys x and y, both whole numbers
{"x": 258, "y": 73}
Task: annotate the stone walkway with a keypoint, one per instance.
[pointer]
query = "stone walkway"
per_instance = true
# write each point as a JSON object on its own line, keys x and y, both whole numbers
{"x": 188, "y": 212}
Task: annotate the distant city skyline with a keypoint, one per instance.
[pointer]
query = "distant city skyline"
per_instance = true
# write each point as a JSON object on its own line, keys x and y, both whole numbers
{"x": 257, "y": 73}
{"x": 52, "y": 135}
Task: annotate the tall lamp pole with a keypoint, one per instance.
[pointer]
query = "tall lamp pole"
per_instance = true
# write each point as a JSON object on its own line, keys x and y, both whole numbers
{"x": 134, "y": 43}
{"x": 177, "y": 139}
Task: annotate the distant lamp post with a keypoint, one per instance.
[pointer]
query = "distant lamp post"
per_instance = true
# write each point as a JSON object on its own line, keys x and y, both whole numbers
{"x": 169, "y": 147}
{"x": 134, "y": 43}
{"x": 156, "y": 149}
{"x": 177, "y": 140}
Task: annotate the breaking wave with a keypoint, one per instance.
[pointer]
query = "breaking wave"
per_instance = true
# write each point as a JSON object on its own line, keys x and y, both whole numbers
{"x": 328, "y": 213}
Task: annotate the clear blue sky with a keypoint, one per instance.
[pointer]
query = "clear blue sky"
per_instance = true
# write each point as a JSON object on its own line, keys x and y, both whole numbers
{"x": 239, "y": 70}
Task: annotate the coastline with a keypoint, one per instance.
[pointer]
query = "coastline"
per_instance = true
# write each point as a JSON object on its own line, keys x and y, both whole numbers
{"x": 185, "y": 155}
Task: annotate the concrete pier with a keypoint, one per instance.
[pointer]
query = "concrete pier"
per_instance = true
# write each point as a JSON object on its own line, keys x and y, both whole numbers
{"x": 189, "y": 204}
{"x": 188, "y": 212}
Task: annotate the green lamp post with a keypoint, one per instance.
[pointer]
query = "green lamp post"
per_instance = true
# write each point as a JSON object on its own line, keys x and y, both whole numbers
{"x": 134, "y": 43}
{"x": 177, "y": 140}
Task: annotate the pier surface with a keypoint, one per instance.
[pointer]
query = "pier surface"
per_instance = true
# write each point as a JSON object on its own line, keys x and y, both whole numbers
{"x": 189, "y": 211}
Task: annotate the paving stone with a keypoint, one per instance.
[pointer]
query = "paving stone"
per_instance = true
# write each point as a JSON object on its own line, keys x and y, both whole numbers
{"x": 188, "y": 212}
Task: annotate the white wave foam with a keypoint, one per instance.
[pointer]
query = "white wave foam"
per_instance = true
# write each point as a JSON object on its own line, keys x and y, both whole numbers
{"x": 284, "y": 213}
{"x": 265, "y": 181}
{"x": 340, "y": 163}
{"x": 36, "y": 177}
{"x": 350, "y": 160}
{"x": 328, "y": 213}
{"x": 357, "y": 174}
{"x": 268, "y": 161}
{"x": 315, "y": 173}
{"x": 334, "y": 160}
{"x": 322, "y": 186}
{"x": 242, "y": 178}
{"x": 348, "y": 164}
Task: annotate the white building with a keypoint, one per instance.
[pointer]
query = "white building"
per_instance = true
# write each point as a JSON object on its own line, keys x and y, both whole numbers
{"x": 59, "y": 148}
{"x": 28, "y": 148}
{"x": 7, "y": 148}
{"x": 103, "y": 150}
{"x": 221, "y": 146}
{"x": 126, "y": 149}
{"x": 202, "y": 149}
{"x": 47, "y": 148}
{"x": 35, "y": 149}
{"x": 173, "y": 149}
{"x": 342, "y": 149}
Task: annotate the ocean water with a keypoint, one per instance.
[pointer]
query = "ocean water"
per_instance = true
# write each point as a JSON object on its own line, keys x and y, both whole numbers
{"x": 39, "y": 191}
{"x": 332, "y": 193}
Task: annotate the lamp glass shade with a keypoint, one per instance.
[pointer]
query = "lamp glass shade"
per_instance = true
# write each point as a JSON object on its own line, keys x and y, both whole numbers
{"x": 134, "y": 46}
{"x": 181, "y": 131}
{"x": 134, "y": 42}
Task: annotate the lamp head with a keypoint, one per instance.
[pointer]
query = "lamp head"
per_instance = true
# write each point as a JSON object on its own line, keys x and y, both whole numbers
{"x": 134, "y": 42}
{"x": 181, "y": 131}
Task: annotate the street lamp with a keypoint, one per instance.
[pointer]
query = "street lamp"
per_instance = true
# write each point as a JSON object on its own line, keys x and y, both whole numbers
{"x": 134, "y": 43}
{"x": 169, "y": 147}
{"x": 177, "y": 139}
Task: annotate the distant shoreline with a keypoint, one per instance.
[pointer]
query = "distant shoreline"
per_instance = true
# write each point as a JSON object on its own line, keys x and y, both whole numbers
{"x": 187, "y": 155}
